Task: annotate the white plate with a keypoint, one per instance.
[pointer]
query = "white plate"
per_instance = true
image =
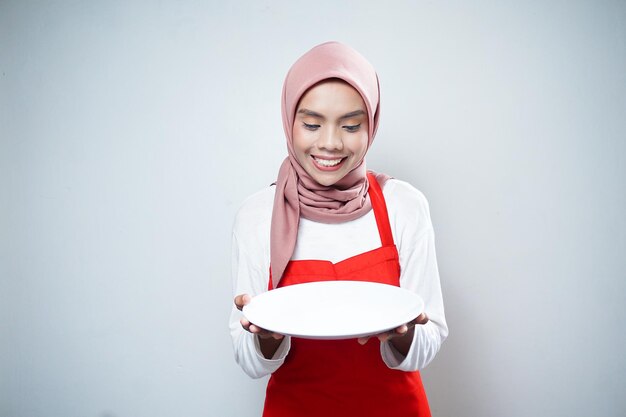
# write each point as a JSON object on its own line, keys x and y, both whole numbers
{"x": 333, "y": 309}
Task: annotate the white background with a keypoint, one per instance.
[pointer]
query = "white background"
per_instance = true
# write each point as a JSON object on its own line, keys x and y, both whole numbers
{"x": 131, "y": 131}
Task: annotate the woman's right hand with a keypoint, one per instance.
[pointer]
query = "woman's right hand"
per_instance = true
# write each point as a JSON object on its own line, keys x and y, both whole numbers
{"x": 240, "y": 301}
{"x": 268, "y": 341}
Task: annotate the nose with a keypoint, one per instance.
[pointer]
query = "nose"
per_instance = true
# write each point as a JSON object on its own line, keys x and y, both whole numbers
{"x": 330, "y": 139}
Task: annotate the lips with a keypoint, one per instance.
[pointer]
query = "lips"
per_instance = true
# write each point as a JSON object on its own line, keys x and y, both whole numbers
{"x": 328, "y": 163}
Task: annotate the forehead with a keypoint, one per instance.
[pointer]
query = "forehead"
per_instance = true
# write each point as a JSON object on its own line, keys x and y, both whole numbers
{"x": 332, "y": 95}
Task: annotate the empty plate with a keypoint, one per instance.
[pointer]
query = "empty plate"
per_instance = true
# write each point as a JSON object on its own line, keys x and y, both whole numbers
{"x": 334, "y": 309}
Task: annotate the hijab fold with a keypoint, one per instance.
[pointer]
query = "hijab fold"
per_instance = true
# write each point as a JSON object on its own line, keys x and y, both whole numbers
{"x": 297, "y": 193}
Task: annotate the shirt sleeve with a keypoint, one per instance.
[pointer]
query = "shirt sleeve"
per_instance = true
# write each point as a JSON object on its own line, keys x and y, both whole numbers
{"x": 250, "y": 276}
{"x": 414, "y": 237}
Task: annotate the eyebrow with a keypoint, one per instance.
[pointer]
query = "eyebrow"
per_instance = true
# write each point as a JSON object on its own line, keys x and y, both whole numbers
{"x": 320, "y": 116}
{"x": 308, "y": 112}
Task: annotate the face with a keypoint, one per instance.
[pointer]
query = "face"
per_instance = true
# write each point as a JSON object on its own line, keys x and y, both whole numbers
{"x": 330, "y": 131}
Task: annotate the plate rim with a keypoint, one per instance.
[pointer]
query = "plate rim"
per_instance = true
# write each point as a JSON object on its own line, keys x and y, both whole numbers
{"x": 342, "y": 335}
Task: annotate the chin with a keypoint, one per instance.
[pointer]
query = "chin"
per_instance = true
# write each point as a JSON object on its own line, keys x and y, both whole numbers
{"x": 328, "y": 181}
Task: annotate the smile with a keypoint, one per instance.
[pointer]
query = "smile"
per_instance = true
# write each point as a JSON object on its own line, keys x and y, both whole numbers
{"x": 328, "y": 164}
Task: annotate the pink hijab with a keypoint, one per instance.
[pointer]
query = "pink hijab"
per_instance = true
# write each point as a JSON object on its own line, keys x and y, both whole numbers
{"x": 297, "y": 194}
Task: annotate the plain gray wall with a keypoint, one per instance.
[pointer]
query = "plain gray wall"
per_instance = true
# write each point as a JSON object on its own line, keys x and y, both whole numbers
{"x": 131, "y": 131}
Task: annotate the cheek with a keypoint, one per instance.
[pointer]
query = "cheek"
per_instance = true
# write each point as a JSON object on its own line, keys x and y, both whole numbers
{"x": 359, "y": 145}
{"x": 299, "y": 142}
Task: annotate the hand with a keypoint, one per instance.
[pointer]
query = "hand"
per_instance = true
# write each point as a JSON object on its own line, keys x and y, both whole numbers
{"x": 240, "y": 301}
{"x": 398, "y": 332}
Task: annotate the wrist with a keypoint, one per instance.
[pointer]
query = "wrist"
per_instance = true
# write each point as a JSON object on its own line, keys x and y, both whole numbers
{"x": 402, "y": 343}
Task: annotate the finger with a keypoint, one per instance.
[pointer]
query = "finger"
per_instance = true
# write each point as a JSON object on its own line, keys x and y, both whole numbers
{"x": 363, "y": 340}
{"x": 259, "y": 331}
{"x": 383, "y": 337}
{"x": 401, "y": 331}
{"x": 421, "y": 319}
{"x": 241, "y": 300}
{"x": 245, "y": 324}
{"x": 264, "y": 334}
{"x": 397, "y": 332}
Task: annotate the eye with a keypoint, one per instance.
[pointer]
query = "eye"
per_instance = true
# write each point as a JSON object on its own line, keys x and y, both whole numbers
{"x": 310, "y": 126}
{"x": 352, "y": 128}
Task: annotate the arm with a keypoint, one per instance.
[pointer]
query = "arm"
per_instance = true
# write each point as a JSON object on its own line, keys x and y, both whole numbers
{"x": 415, "y": 239}
{"x": 250, "y": 266}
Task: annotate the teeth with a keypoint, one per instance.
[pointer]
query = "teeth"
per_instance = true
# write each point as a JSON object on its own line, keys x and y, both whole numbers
{"x": 328, "y": 162}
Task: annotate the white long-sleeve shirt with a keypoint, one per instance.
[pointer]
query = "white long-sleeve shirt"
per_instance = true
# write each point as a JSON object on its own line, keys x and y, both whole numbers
{"x": 412, "y": 231}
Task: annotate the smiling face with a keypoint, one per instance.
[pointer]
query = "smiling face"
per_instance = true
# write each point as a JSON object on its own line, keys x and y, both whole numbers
{"x": 330, "y": 131}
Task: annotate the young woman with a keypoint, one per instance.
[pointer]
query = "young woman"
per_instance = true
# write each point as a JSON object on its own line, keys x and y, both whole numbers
{"x": 327, "y": 218}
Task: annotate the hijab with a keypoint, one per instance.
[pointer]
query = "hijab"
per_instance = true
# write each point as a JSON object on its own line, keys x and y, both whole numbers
{"x": 297, "y": 194}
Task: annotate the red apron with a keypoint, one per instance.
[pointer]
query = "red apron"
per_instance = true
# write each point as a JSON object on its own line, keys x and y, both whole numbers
{"x": 328, "y": 378}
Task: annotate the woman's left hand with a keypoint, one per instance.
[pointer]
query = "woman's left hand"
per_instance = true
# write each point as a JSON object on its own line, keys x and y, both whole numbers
{"x": 401, "y": 336}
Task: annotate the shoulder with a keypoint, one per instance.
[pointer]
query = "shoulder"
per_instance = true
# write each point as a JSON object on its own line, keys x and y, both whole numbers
{"x": 407, "y": 206}
{"x": 400, "y": 195}
{"x": 255, "y": 212}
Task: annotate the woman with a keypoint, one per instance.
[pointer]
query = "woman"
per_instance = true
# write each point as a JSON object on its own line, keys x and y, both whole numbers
{"x": 327, "y": 218}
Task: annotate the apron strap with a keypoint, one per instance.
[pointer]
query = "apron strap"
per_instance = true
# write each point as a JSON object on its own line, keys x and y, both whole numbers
{"x": 380, "y": 210}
